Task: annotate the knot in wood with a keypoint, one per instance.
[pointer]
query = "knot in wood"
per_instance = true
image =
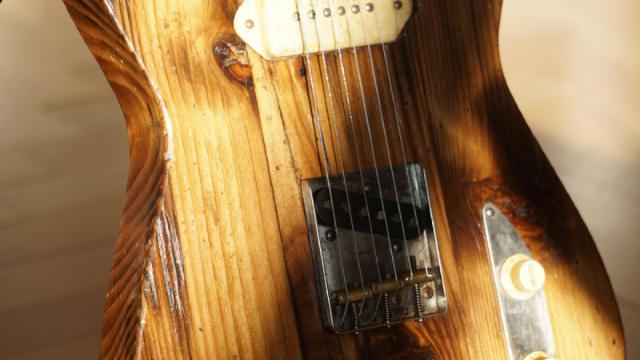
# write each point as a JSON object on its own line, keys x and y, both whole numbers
{"x": 231, "y": 56}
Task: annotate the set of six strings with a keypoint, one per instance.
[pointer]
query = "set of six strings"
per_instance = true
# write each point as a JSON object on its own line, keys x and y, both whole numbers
{"x": 357, "y": 309}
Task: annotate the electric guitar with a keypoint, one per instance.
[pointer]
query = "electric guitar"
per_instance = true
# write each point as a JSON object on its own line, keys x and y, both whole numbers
{"x": 336, "y": 179}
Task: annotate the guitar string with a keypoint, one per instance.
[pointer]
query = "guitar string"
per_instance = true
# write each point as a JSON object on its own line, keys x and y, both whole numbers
{"x": 315, "y": 118}
{"x": 401, "y": 133}
{"x": 382, "y": 122}
{"x": 340, "y": 156}
{"x": 337, "y": 135}
{"x": 375, "y": 162}
{"x": 388, "y": 151}
{"x": 351, "y": 127}
{"x": 373, "y": 72}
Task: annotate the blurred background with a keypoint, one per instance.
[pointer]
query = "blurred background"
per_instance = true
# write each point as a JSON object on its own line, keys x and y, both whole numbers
{"x": 573, "y": 66}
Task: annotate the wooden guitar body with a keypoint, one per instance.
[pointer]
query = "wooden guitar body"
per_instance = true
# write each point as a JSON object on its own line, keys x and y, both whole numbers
{"x": 213, "y": 257}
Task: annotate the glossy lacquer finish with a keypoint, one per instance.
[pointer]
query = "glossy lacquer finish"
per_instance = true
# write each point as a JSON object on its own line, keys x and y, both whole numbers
{"x": 213, "y": 257}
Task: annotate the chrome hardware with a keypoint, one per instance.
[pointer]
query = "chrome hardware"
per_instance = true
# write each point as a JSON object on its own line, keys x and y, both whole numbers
{"x": 523, "y": 307}
{"x": 418, "y": 300}
{"x": 387, "y": 310}
{"x": 374, "y": 248}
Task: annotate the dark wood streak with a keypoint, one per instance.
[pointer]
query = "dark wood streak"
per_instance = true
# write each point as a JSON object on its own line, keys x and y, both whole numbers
{"x": 213, "y": 256}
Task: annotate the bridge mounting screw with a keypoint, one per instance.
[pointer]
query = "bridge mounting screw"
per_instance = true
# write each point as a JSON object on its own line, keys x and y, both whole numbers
{"x": 341, "y": 10}
{"x": 397, "y": 4}
{"x": 428, "y": 292}
{"x": 369, "y": 7}
{"x": 326, "y": 12}
{"x": 355, "y": 9}
{"x": 311, "y": 14}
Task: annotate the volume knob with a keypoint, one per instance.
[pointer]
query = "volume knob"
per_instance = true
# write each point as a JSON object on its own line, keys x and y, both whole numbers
{"x": 521, "y": 276}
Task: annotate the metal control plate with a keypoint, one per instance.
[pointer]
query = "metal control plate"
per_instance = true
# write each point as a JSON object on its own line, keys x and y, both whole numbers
{"x": 526, "y": 322}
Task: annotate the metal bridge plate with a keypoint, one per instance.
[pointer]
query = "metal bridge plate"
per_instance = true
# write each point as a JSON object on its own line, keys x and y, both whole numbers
{"x": 374, "y": 248}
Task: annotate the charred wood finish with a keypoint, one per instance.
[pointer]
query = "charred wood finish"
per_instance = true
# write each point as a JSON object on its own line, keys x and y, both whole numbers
{"x": 213, "y": 258}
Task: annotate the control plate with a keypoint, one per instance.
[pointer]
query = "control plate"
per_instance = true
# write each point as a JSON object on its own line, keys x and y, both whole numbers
{"x": 525, "y": 319}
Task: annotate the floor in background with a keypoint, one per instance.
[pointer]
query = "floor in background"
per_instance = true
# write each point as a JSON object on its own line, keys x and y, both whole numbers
{"x": 572, "y": 66}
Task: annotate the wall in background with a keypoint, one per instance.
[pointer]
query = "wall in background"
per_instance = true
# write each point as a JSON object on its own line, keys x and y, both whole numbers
{"x": 572, "y": 66}
{"x": 63, "y": 170}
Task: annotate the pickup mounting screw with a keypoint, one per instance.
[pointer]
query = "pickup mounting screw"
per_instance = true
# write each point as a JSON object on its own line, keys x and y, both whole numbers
{"x": 330, "y": 235}
{"x": 397, "y": 4}
{"x": 396, "y": 246}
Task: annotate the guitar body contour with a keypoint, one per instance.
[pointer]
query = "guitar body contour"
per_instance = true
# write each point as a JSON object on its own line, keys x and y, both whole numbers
{"x": 213, "y": 257}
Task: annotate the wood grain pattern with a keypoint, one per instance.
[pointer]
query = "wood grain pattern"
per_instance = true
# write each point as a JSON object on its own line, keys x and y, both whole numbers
{"x": 213, "y": 258}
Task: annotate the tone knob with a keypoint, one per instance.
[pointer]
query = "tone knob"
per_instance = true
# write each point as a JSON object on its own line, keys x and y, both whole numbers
{"x": 521, "y": 276}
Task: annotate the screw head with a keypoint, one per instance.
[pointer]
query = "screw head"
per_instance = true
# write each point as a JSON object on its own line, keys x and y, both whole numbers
{"x": 369, "y": 7}
{"x": 340, "y": 10}
{"x": 428, "y": 292}
{"x": 296, "y": 16}
{"x": 355, "y": 9}
{"x": 490, "y": 212}
{"x": 249, "y": 24}
{"x": 330, "y": 235}
{"x": 326, "y": 12}
{"x": 311, "y": 14}
{"x": 396, "y": 246}
{"x": 397, "y": 4}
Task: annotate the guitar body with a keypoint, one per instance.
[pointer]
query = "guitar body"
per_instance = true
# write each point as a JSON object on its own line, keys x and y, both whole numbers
{"x": 213, "y": 258}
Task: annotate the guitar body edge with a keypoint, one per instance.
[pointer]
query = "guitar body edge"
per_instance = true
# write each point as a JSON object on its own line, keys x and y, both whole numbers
{"x": 213, "y": 256}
